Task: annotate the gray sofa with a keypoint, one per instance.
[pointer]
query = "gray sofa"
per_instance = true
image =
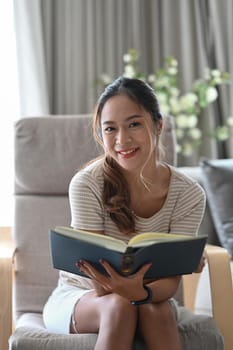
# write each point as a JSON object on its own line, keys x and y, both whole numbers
{"x": 48, "y": 151}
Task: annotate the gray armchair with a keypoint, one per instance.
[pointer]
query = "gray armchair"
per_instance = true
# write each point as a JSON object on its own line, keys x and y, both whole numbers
{"x": 48, "y": 151}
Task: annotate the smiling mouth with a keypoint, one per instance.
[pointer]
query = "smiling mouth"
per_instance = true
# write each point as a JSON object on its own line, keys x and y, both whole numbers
{"x": 127, "y": 153}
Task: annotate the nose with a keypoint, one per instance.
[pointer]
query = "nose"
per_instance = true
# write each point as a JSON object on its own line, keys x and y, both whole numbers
{"x": 122, "y": 137}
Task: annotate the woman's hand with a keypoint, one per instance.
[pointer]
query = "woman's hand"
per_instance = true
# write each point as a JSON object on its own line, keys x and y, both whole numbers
{"x": 130, "y": 287}
{"x": 100, "y": 291}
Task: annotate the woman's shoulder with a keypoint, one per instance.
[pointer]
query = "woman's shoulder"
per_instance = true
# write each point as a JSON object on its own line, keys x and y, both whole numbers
{"x": 180, "y": 176}
{"x": 93, "y": 169}
{"x": 184, "y": 181}
{"x": 90, "y": 173}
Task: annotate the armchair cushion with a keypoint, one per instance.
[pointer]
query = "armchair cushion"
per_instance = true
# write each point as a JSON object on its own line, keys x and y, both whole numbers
{"x": 55, "y": 146}
{"x": 218, "y": 184}
{"x": 197, "y": 332}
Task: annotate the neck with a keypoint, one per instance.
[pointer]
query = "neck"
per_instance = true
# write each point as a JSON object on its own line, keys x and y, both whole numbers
{"x": 144, "y": 179}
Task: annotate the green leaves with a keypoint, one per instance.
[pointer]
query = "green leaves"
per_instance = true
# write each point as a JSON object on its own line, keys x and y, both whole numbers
{"x": 185, "y": 108}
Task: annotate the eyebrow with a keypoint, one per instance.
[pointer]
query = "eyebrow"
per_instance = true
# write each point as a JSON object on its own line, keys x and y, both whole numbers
{"x": 137, "y": 116}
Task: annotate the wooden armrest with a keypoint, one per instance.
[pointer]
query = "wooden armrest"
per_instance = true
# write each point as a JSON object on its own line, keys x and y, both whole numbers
{"x": 221, "y": 291}
{"x": 6, "y": 257}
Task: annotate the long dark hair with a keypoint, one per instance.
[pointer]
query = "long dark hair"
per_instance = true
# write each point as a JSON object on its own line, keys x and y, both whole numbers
{"x": 116, "y": 196}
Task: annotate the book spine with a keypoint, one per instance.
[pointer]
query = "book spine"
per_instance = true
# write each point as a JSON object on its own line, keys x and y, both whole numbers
{"x": 127, "y": 263}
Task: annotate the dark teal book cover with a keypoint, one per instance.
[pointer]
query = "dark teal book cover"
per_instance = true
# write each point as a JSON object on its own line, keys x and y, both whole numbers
{"x": 168, "y": 258}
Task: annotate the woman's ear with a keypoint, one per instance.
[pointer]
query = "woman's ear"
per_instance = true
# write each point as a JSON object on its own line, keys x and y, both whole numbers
{"x": 159, "y": 127}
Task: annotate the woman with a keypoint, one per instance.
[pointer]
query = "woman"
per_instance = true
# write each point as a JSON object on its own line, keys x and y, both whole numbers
{"x": 126, "y": 191}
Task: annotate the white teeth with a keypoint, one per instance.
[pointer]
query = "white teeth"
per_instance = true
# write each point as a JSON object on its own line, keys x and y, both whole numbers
{"x": 127, "y": 152}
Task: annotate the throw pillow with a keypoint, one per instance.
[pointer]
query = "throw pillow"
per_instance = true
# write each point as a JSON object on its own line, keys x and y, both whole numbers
{"x": 218, "y": 184}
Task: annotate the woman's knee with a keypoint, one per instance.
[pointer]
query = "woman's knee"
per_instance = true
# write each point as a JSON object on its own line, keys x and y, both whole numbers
{"x": 120, "y": 308}
{"x": 161, "y": 313}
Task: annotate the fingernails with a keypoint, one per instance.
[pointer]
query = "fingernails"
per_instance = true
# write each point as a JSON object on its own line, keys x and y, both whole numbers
{"x": 79, "y": 264}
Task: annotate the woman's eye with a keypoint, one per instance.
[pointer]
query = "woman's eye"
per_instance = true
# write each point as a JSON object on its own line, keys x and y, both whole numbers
{"x": 109, "y": 129}
{"x": 134, "y": 124}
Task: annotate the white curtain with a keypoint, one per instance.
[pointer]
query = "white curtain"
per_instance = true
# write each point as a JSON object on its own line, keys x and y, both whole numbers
{"x": 63, "y": 46}
{"x": 34, "y": 89}
{"x": 9, "y": 110}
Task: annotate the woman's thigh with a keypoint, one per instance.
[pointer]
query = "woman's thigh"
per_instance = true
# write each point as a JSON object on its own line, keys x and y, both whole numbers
{"x": 87, "y": 313}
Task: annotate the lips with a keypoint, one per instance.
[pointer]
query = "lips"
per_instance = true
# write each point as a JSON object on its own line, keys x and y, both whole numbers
{"x": 128, "y": 153}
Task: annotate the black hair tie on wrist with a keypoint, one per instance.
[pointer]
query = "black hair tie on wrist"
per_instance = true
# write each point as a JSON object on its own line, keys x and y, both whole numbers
{"x": 147, "y": 300}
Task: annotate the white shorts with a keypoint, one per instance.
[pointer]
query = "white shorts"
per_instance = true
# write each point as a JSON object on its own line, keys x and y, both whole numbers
{"x": 59, "y": 307}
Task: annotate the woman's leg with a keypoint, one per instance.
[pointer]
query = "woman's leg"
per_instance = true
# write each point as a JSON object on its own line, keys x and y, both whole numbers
{"x": 158, "y": 326}
{"x": 111, "y": 316}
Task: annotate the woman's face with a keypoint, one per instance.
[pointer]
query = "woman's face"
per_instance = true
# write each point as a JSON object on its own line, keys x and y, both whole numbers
{"x": 128, "y": 133}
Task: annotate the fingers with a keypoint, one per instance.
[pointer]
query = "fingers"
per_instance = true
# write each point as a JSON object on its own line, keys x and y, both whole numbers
{"x": 113, "y": 282}
{"x": 86, "y": 268}
{"x": 90, "y": 271}
{"x": 143, "y": 269}
{"x": 95, "y": 275}
{"x": 108, "y": 268}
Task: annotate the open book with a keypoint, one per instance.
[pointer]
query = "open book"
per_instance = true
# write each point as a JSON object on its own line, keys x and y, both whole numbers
{"x": 170, "y": 254}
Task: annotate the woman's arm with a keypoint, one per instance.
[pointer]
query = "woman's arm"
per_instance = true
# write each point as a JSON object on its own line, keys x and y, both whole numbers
{"x": 164, "y": 288}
